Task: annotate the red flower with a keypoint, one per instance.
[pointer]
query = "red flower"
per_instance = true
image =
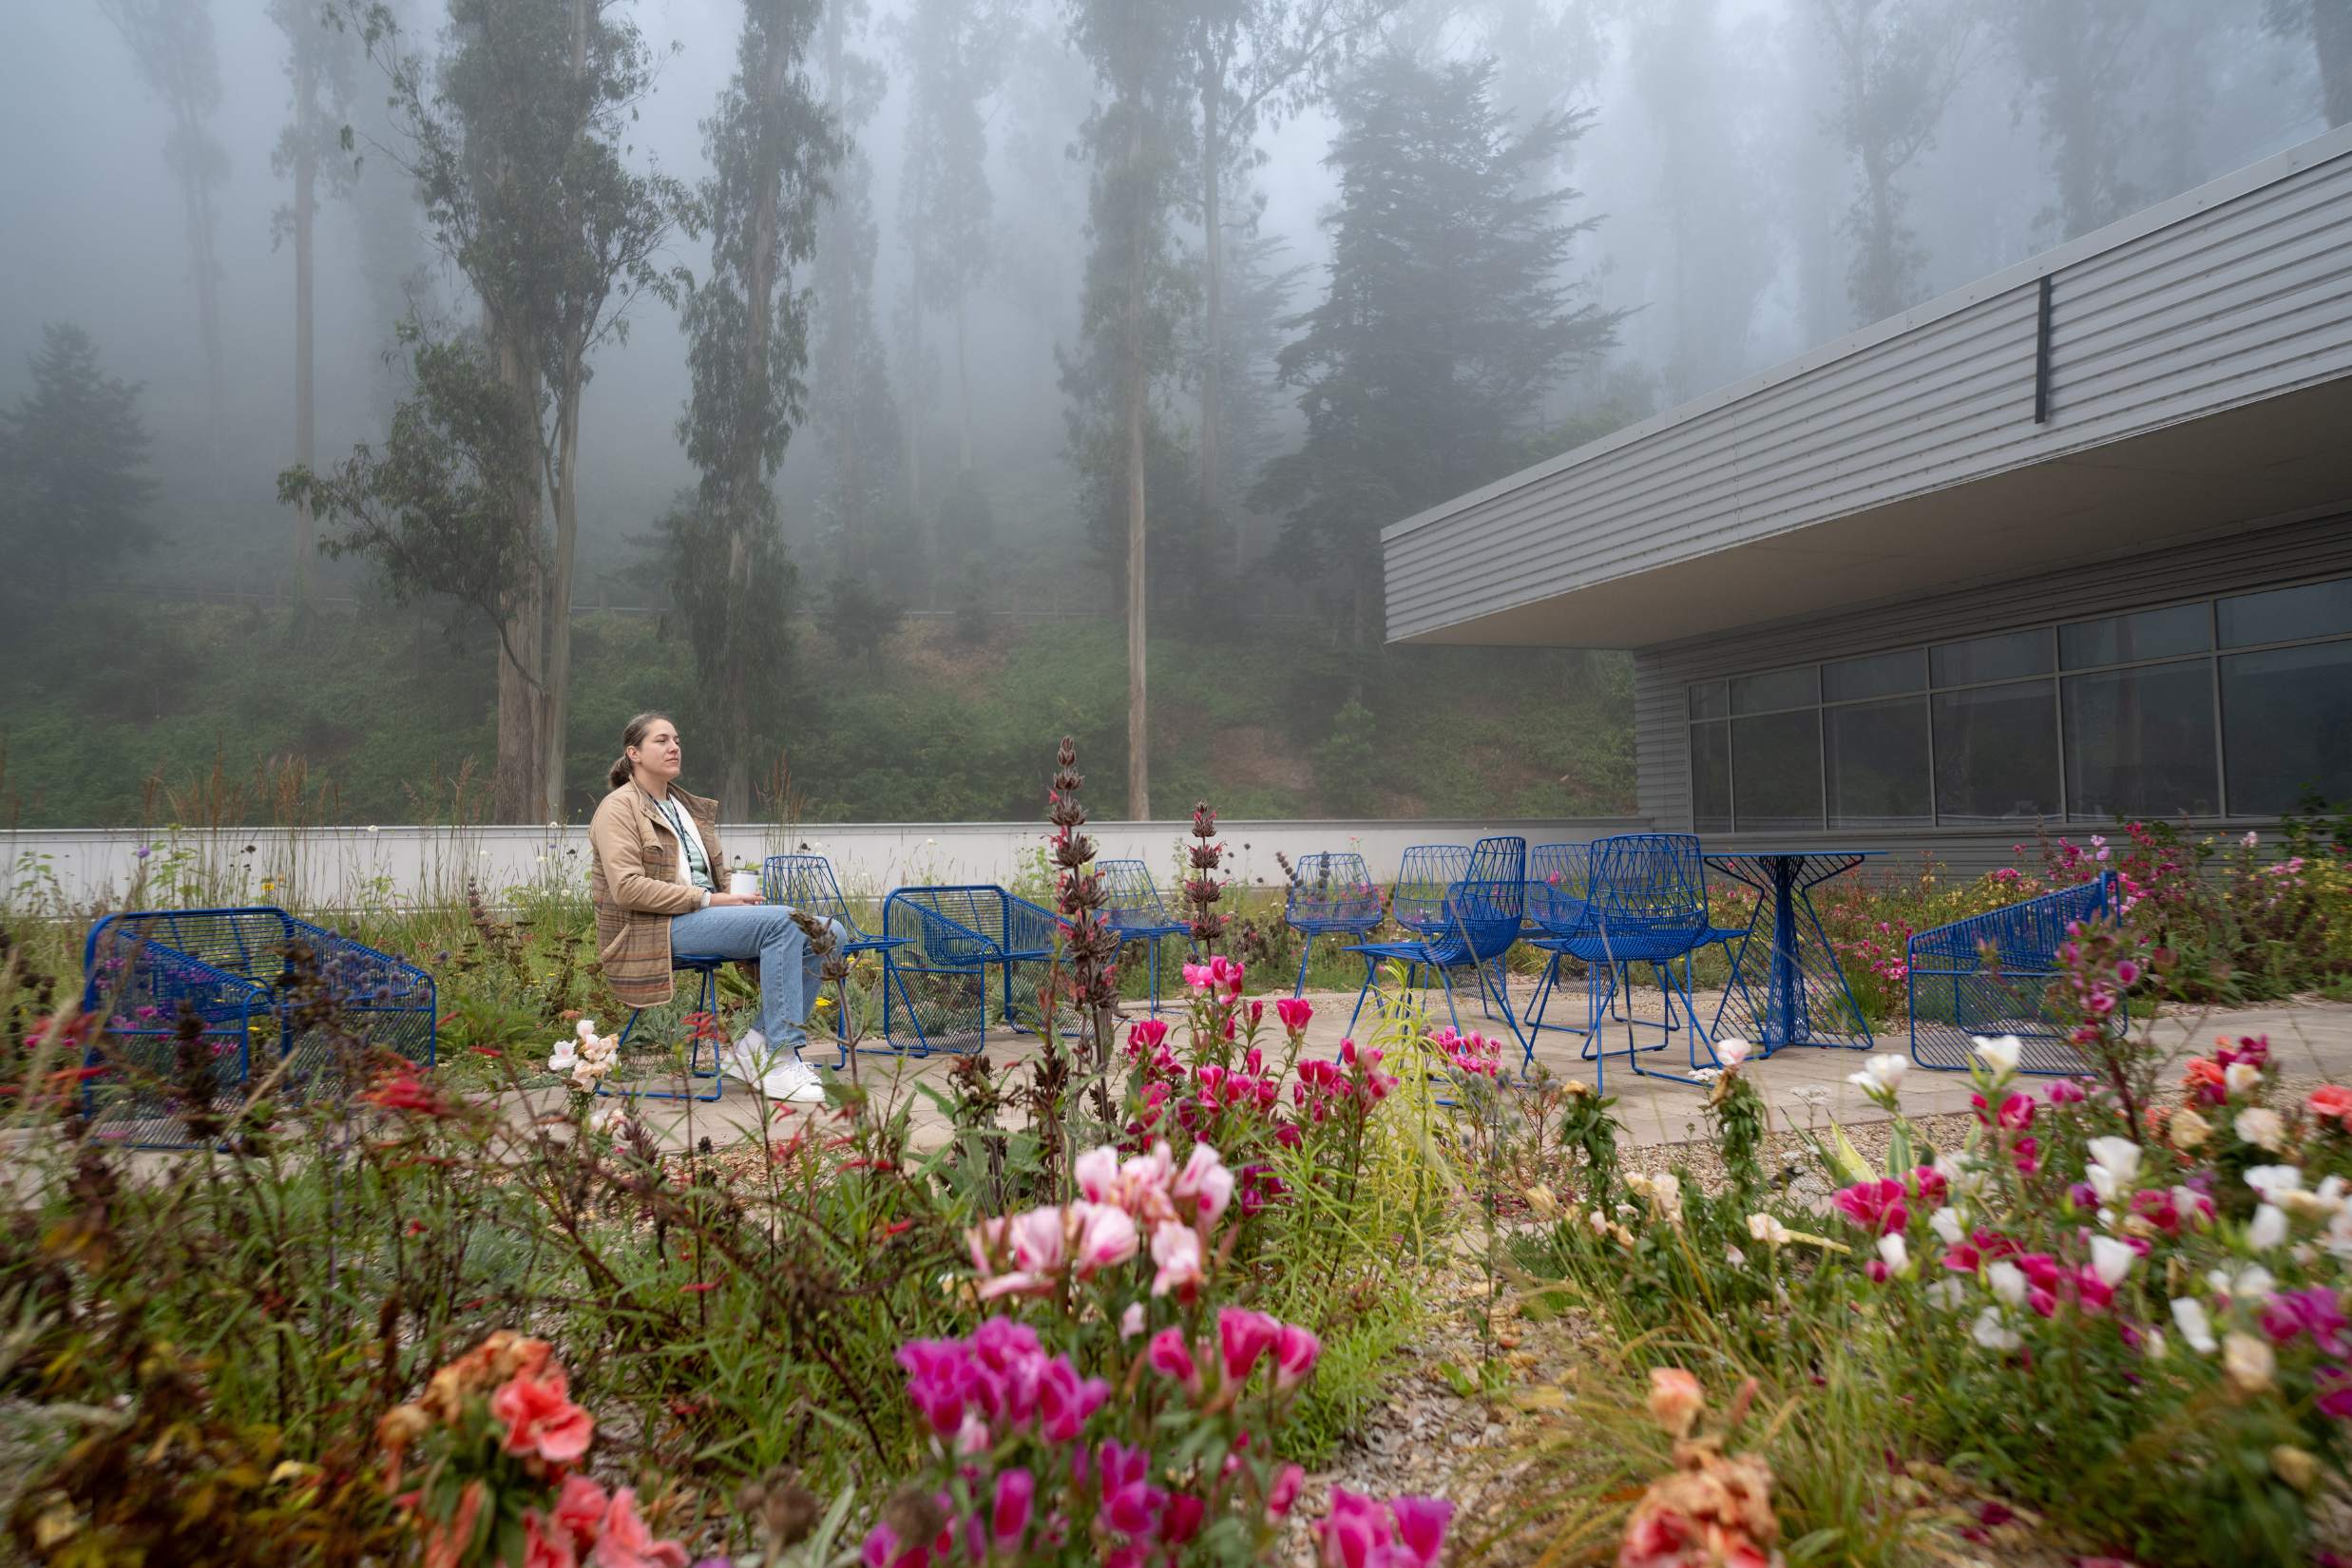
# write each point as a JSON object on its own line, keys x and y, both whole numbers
{"x": 541, "y": 1419}
{"x": 2331, "y": 1102}
{"x": 402, "y": 1090}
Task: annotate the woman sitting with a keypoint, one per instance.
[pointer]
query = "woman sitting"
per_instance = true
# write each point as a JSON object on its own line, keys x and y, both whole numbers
{"x": 654, "y": 879}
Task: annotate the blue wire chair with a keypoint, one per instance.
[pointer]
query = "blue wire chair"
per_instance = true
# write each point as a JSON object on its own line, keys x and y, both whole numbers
{"x": 1329, "y": 891}
{"x": 1559, "y": 908}
{"x": 1646, "y": 900}
{"x": 1134, "y": 913}
{"x": 948, "y": 938}
{"x": 1994, "y": 974}
{"x": 1427, "y": 874}
{"x": 806, "y": 881}
{"x": 236, "y": 968}
{"x": 1480, "y": 914}
{"x": 705, "y": 968}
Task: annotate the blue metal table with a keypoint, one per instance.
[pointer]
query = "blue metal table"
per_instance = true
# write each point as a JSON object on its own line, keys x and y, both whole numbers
{"x": 1786, "y": 986}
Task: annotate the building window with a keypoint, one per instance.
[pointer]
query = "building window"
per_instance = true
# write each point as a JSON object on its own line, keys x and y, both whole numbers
{"x": 2240, "y": 706}
{"x": 2140, "y": 742}
{"x": 1876, "y": 760}
{"x": 2287, "y": 714}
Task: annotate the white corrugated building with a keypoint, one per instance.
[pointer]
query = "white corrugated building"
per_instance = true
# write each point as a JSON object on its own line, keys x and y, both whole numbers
{"x": 2071, "y": 543}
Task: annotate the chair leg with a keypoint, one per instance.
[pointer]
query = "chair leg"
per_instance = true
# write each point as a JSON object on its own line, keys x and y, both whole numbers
{"x": 1370, "y": 971}
{"x": 1299, "y": 986}
{"x": 1155, "y": 946}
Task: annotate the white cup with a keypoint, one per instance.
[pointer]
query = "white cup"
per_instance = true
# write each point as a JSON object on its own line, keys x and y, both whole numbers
{"x": 745, "y": 884}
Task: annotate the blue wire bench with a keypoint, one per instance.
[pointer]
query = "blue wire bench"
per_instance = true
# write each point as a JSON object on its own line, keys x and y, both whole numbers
{"x": 947, "y": 939}
{"x": 1331, "y": 891}
{"x": 1136, "y": 913}
{"x": 261, "y": 1010}
{"x": 806, "y": 881}
{"x": 1476, "y": 922}
{"x": 1993, "y": 974}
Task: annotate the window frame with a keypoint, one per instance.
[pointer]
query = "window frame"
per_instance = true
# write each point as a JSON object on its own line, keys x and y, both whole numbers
{"x": 2053, "y": 681}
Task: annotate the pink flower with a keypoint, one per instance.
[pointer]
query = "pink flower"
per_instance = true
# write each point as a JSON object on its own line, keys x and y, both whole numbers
{"x": 1929, "y": 1186}
{"x": 2334, "y": 1385}
{"x": 1353, "y": 1529}
{"x": 1009, "y": 1514}
{"x": 1176, "y": 1249}
{"x": 1675, "y": 1399}
{"x": 1172, "y": 1358}
{"x": 2067, "y": 1092}
{"x": 545, "y": 1544}
{"x": 580, "y": 1508}
{"x": 1420, "y": 1525}
{"x": 1244, "y": 1336}
{"x": 1206, "y": 1184}
{"x": 1285, "y": 1490}
{"x": 1145, "y": 1034}
{"x": 626, "y": 1542}
{"x": 1295, "y": 1011}
{"x": 1131, "y": 1321}
{"x": 1032, "y": 1242}
{"x": 1876, "y": 1206}
{"x": 1064, "y": 1401}
{"x": 1225, "y": 975}
{"x": 1106, "y": 1237}
{"x": 541, "y": 1419}
{"x": 1295, "y": 1349}
{"x": 1097, "y": 1170}
{"x": 2027, "y": 1153}
{"x": 1180, "y": 1521}
{"x": 1134, "y": 1510}
{"x": 939, "y": 1380}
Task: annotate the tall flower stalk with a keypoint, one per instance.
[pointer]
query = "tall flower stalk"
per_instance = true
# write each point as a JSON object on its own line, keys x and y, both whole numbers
{"x": 1079, "y": 898}
{"x": 1203, "y": 887}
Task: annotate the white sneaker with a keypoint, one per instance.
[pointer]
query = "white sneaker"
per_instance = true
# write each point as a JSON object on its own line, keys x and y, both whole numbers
{"x": 792, "y": 1080}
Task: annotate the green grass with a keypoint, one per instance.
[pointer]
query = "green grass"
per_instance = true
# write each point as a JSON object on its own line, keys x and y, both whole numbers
{"x": 127, "y": 715}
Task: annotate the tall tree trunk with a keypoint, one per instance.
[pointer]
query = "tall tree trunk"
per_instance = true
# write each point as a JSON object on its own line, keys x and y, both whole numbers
{"x": 2331, "y": 34}
{"x": 1213, "y": 255}
{"x": 963, "y": 390}
{"x": 558, "y": 663}
{"x": 1139, "y": 729}
{"x": 305, "y": 195}
{"x": 195, "y": 195}
{"x": 518, "y": 789}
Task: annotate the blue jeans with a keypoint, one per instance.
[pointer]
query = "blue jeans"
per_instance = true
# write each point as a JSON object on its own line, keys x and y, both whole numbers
{"x": 790, "y": 973}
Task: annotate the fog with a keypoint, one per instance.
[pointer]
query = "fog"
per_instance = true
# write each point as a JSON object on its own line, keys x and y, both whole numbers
{"x": 1717, "y": 192}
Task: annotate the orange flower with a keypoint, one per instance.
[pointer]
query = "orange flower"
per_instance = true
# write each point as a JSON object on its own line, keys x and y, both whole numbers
{"x": 2332, "y": 1102}
{"x": 1675, "y": 1399}
{"x": 580, "y": 1509}
{"x": 627, "y": 1542}
{"x": 445, "y": 1544}
{"x": 547, "y": 1545}
{"x": 541, "y": 1419}
{"x": 2203, "y": 1070}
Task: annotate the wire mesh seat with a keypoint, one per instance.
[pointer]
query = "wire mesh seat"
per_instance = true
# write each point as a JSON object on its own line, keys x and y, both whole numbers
{"x": 1331, "y": 891}
{"x": 946, "y": 940}
{"x": 1647, "y": 904}
{"x": 269, "y": 992}
{"x": 1424, "y": 876}
{"x": 702, "y": 1030}
{"x": 1136, "y": 913}
{"x": 1477, "y": 922}
{"x": 1994, "y": 974}
{"x": 805, "y": 882}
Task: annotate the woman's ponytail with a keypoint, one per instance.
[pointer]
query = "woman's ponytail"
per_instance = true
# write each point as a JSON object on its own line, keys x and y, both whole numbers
{"x": 633, "y": 733}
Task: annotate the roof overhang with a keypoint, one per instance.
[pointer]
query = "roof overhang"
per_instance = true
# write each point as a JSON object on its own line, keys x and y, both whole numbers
{"x": 2269, "y": 459}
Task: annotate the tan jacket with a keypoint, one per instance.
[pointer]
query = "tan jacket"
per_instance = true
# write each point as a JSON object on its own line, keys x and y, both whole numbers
{"x": 634, "y": 883}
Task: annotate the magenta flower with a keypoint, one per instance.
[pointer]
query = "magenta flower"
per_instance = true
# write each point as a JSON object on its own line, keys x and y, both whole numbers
{"x": 1172, "y": 1358}
{"x": 1295, "y": 1011}
{"x": 1929, "y": 1186}
{"x": 1176, "y": 1249}
{"x": 1145, "y": 1035}
{"x": 1120, "y": 1466}
{"x": 1065, "y": 1401}
{"x": 1285, "y": 1490}
{"x": 1295, "y": 1349}
{"x": 1106, "y": 1237}
{"x": 2067, "y": 1092}
{"x": 1420, "y": 1525}
{"x": 1008, "y": 1513}
{"x": 1180, "y": 1521}
{"x": 1244, "y": 1336}
{"x": 939, "y": 1380}
{"x": 1206, "y": 1184}
{"x": 2334, "y": 1385}
{"x": 1352, "y": 1533}
{"x": 1876, "y": 1206}
{"x": 2309, "y": 1311}
{"x": 1134, "y": 1510}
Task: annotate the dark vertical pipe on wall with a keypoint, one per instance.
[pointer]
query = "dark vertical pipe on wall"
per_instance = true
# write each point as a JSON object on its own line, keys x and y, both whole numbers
{"x": 2041, "y": 356}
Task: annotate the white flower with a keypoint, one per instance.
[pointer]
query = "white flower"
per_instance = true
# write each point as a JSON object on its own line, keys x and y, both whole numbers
{"x": 2261, "y": 1127}
{"x": 1664, "y": 1190}
{"x": 2251, "y": 838}
{"x": 1733, "y": 1052}
{"x": 2275, "y": 1181}
{"x": 567, "y": 1057}
{"x": 2188, "y": 1315}
{"x": 1944, "y": 1295}
{"x": 2111, "y": 1259}
{"x": 1705, "y": 1075}
{"x": 2249, "y": 1282}
{"x": 2001, "y": 1055}
{"x": 2008, "y": 1282}
{"x": 2247, "y": 1361}
{"x": 1892, "y": 1252}
{"x": 2153, "y": 1342}
{"x": 2241, "y": 1078}
{"x": 2340, "y": 1233}
{"x": 1880, "y": 1075}
{"x": 585, "y": 1028}
{"x": 1768, "y": 1229}
{"x": 2113, "y": 1162}
{"x": 614, "y": 1123}
{"x": 2325, "y": 1203}
{"x": 1131, "y": 1322}
{"x": 1946, "y": 1224}
{"x": 1991, "y": 1332}
{"x": 1734, "y": 1257}
{"x": 2269, "y": 1229}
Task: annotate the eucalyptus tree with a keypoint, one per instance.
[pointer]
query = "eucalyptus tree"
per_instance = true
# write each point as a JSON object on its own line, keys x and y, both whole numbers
{"x": 171, "y": 42}
{"x": 1897, "y": 63}
{"x": 319, "y": 69}
{"x": 1138, "y": 141}
{"x": 769, "y": 144}
{"x": 954, "y": 53}
{"x": 2076, "y": 68}
{"x": 2328, "y": 25}
{"x": 1446, "y": 317}
{"x": 515, "y": 139}
{"x": 1251, "y": 61}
